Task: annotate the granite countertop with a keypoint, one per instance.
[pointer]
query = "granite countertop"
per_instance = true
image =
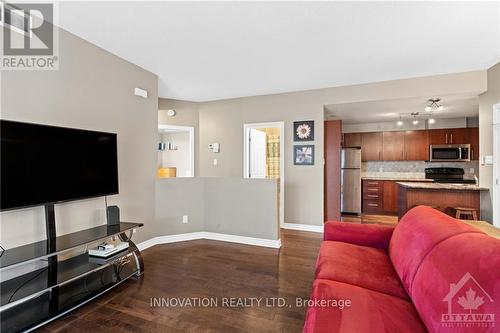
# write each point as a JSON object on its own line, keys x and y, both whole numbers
{"x": 396, "y": 178}
{"x": 443, "y": 186}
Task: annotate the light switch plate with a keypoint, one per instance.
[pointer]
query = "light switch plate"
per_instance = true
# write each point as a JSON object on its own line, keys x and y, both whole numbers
{"x": 488, "y": 160}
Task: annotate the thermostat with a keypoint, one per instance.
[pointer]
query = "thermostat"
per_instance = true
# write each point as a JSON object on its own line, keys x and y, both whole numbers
{"x": 214, "y": 147}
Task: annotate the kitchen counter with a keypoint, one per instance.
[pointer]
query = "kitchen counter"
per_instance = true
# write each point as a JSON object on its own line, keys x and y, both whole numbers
{"x": 398, "y": 179}
{"x": 442, "y": 186}
{"x": 445, "y": 197}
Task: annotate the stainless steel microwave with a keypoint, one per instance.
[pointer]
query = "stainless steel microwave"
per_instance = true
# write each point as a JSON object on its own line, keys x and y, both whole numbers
{"x": 450, "y": 153}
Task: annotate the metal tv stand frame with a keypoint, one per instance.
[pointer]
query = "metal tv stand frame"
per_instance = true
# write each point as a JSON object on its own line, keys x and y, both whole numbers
{"x": 57, "y": 283}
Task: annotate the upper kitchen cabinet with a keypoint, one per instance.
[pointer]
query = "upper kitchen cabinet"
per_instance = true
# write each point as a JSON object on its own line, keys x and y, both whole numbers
{"x": 352, "y": 140}
{"x": 416, "y": 146}
{"x": 458, "y": 136}
{"x": 438, "y": 136}
{"x": 473, "y": 139}
{"x": 371, "y": 146}
{"x": 393, "y": 144}
{"x": 448, "y": 136}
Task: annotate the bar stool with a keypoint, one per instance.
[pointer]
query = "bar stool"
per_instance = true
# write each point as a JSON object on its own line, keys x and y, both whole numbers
{"x": 465, "y": 211}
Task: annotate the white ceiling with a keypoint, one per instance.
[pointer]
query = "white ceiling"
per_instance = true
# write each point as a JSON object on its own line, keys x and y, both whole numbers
{"x": 455, "y": 106}
{"x": 207, "y": 51}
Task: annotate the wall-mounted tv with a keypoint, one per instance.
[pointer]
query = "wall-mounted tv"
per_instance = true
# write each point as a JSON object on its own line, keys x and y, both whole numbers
{"x": 43, "y": 164}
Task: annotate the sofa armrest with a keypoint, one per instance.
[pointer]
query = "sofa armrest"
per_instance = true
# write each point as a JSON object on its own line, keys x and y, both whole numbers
{"x": 372, "y": 235}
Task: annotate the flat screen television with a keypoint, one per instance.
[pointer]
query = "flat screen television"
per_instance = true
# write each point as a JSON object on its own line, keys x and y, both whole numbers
{"x": 43, "y": 164}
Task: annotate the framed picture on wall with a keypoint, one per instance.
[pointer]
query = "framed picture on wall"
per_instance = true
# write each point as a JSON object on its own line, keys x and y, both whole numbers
{"x": 303, "y": 155}
{"x": 303, "y": 130}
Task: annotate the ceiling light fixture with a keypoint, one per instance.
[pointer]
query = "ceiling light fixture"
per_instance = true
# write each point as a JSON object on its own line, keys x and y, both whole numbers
{"x": 433, "y": 105}
{"x": 415, "y": 122}
{"x": 400, "y": 121}
{"x": 432, "y": 120}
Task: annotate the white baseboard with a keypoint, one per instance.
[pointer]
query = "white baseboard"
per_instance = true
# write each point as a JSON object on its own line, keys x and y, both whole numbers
{"x": 303, "y": 227}
{"x": 276, "y": 244}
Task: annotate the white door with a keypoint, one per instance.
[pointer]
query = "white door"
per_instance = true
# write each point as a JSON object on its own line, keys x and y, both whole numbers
{"x": 257, "y": 150}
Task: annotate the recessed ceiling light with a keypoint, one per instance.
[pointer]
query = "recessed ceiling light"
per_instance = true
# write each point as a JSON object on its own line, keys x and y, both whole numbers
{"x": 415, "y": 122}
{"x": 171, "y": 113}
{"x": 400, "y": 123}
{"x": 432, "y": 121}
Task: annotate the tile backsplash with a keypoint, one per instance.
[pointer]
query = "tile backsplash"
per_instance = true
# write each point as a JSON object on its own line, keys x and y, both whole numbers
{"x": 414, "y": 169}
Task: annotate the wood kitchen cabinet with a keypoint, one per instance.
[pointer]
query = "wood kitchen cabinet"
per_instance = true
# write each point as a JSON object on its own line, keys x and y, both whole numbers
{"x": 352, "y": 140}
{"x": 457, "y": 136}
{"x": 373, "y": 191}
{"x": 393, "y": 146}
{"x": 380, "y": 197}
{"x": 371, "y": 146}
{"x": 390, "y": 197}
{"x": 412, "y": 145}
{"x": 438, "y": 136}
{"x": 473, "y": 139}
{"x": 416, "y": 146}
{"x": 448, "y": 136}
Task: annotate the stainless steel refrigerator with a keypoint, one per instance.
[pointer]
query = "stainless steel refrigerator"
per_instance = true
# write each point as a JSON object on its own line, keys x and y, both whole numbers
{"x": 350, "y": 182}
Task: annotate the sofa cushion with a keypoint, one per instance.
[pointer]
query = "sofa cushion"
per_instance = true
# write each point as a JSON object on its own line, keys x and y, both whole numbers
{"x": 369, "y": 311}
{"x": 471, "y": 262}
{"x": 362, "y": 266}
{"x": 415, "y": 236}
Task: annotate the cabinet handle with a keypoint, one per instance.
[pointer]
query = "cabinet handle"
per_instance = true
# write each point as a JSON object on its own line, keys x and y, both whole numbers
{"x": 373, "y": 189}
{"x": 446, "y": 138}
{"x": 472, "y": 154}
{"x": 373, "y": 183}
{"x": 379, "y": 156}
{"x": 451, "y": 138}
{"x": 372, "y": 205}
{"x": 372, "y": 196}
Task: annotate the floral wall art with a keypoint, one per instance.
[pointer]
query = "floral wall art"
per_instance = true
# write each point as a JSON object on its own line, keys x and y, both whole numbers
{"x": 303, "y": 154}
{"x": 303, "y": 131}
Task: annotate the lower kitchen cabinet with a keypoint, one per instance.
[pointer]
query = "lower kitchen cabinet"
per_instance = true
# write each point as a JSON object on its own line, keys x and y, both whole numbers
{"x": 380, "y": 196}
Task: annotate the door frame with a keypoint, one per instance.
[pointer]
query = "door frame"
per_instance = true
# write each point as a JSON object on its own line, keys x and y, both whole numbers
{"x": 496, "y": 164}
{"x": 281, "y": 126}
{"x": 190, "y": 130}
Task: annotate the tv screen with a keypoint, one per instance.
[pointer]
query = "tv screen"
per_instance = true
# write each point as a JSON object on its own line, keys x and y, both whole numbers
{"x": 43, "y": 164}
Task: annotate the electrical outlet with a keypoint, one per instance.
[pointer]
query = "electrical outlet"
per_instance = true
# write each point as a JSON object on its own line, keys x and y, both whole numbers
{"x": 215, "y": 162}
{"x": 184, "y": 219}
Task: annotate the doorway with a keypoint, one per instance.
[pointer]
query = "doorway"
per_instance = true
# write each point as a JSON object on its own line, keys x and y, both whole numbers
{"x": 263, "y": 149}
{"x": 175, "y": 151}
{"x": 496, "y": 165}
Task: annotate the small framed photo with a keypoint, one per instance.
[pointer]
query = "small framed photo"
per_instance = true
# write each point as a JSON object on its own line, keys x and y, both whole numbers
{"x": 303, "y": 130}
{"x": 303, "y": 155}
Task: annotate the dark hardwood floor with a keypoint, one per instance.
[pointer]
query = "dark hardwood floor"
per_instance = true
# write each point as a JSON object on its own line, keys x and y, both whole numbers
{"x": 210, "y": 269}
{"x": 371, "y": 218}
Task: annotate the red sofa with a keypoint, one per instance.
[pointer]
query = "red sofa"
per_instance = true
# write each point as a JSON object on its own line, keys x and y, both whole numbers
{"x": 429, "y": 273}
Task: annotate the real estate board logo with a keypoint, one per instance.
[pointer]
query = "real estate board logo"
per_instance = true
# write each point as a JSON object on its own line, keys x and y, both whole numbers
{"x": 30, "y": 41}
{"x": 468, "y": 305}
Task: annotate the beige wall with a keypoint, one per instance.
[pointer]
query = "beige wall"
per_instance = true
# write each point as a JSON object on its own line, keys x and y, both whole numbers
{"x": 93, "y": 89}
{"x": 232, "y": 206}
{"x": 486, "y": 102}
{"x": 222, "y": 122}
{"x": 187, "y": 115}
